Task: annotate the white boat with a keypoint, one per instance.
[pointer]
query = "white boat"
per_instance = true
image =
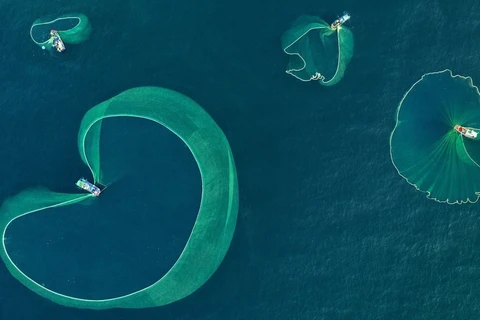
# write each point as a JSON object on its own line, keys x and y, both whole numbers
{"x": 337, "y": 23}
{"x": 56, "y": 41}
{"x": 466, "y": 132}
{"x": 88, "y": 186}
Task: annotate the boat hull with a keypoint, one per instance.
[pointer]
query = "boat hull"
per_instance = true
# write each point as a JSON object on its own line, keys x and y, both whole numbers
{"x": 466, "y": 132}
{"x": 87, "y": 186}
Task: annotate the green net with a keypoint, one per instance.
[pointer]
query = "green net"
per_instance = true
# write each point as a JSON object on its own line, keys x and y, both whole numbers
{"x": 73, "y": 29}
{"x": 215, "y": 223}
{"x": 426, "y": 149}
{"x": 316, "y": 52}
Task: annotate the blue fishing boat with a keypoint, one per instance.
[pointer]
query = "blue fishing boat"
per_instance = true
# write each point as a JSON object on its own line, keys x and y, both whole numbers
{"x": 87, "y": 186}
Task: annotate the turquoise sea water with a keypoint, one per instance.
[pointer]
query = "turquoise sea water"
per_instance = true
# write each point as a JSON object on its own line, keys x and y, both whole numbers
{"x": 327, "y": 229}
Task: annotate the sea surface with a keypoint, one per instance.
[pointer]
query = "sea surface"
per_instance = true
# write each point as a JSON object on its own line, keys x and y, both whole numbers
{"x": 327, "y": 229}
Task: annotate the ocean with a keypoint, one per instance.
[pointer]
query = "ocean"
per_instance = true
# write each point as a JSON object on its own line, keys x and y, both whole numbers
{"x": 327, "y": 229}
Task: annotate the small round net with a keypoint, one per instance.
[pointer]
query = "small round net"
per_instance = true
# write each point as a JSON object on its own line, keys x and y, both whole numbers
{"x": 424, "y": 146}
{"x": 73, "y": 29}
{"x": 103, "y": 147}
{"x": 316, "y": 52}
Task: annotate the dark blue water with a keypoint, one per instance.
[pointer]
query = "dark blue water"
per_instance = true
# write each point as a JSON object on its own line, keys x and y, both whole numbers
{"x": 327, "y": 229}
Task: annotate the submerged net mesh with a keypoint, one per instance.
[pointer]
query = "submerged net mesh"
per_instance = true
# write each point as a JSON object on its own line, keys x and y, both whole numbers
{"x": 215, "y": 224}
{"x": 73, "y": 29}
{"x": 425, "y": 148}
{"x": 316, "y": 52}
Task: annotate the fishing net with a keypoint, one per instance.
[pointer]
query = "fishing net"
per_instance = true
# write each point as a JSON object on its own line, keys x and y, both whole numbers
{"x": 72, "y": 28}
{"x": 215, "y": 222}
{"x": 425, "y": 148}
{"x": 316, "y": 52}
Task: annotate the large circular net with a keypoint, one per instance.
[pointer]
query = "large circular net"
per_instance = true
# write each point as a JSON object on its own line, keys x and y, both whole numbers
{"x": 214, "y": 225}
{"x": 425, "y": 147}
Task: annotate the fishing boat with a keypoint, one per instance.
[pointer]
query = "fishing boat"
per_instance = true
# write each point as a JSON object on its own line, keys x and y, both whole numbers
{"x": 57, "y": 42}
{"x": 84, "y": 184}
{"x": 466, "y": 132}
{"x": 337, "y": 23}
